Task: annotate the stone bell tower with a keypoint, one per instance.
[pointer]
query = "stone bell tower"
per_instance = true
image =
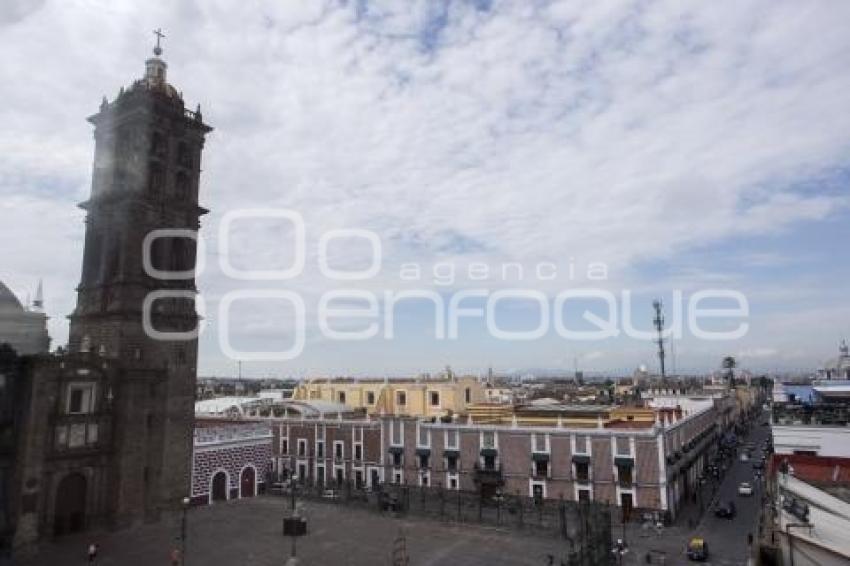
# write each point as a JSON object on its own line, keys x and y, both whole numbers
{"x": 147, "y": 165}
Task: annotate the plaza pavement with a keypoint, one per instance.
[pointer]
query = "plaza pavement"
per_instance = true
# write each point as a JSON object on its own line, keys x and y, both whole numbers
{"x": 249, "y": 532}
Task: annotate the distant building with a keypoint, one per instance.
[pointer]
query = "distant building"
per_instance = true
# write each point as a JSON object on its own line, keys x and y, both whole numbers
{"x": 838, "y": 367}
{"x": 653, "y": 466}
{"x": 420, "y": 397}
{"x": 24, "y": 329}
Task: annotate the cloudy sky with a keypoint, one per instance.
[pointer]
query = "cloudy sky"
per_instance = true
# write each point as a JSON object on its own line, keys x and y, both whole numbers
{"x": 685, "y": 148}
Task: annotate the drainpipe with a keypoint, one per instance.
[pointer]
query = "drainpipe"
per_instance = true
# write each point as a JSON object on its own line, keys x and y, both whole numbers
{"x": 791, "y": 540}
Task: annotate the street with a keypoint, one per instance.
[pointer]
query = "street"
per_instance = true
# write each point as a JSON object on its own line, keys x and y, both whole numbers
{"x": 726, "y": 538}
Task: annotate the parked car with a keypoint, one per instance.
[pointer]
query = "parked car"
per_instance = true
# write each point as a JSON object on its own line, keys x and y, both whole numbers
{"x": 697, "y": 549}
{"x": 745, "y": 489}
{"x": 725, "y": 510}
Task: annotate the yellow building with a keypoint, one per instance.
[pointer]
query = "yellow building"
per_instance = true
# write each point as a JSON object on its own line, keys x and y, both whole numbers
{"x": 414, "y": 397}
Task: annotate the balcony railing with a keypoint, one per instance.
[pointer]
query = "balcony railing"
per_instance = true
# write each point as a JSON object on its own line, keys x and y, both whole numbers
{"x": 488, "y": 474}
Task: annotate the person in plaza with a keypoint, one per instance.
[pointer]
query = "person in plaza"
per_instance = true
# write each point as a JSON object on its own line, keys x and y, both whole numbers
{"x": 175, "y": 557}
{"x": 92, "y": 551}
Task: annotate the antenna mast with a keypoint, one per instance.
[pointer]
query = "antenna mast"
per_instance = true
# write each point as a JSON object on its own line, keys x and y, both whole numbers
{"x": 659, "y": 326}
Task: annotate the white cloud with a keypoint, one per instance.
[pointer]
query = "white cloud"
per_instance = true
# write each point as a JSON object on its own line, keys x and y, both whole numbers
{"x": 604, "y": 131}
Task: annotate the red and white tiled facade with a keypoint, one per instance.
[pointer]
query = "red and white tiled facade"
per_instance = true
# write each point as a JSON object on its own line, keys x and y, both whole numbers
{"x": 230, "y": 460}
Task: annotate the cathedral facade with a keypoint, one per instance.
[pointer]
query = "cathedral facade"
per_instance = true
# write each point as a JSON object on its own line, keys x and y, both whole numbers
{"x": 106, "y": 428}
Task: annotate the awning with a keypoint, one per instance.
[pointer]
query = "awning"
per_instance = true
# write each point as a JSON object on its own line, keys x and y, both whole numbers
{"x": 396, "y": 450}
{"x": 581, "y": 458}
{"x": 622, "y": 461}
{"x": 451, "y": 453}
{"x": 540, "y": 457}
{"x": 423, "y": 451}
{"x": 489, "y": 452}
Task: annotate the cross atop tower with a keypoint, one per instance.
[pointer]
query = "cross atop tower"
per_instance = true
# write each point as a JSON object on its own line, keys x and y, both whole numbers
{"x": 159, "y": 35}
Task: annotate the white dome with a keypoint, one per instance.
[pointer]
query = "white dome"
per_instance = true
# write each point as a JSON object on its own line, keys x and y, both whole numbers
{"x": 9, "y": 303}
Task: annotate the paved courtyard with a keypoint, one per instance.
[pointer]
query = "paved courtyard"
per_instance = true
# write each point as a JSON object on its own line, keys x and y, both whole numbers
{"x": 248, "y": 532}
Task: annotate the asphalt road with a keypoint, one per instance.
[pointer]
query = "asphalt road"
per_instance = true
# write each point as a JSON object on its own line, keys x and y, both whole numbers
{"x": 727, "y": 538}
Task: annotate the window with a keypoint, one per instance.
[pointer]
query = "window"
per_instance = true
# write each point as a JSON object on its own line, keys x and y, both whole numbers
{"x": 582, "y": 472}
{"x": 584, "y": 495}
{"x": 540, "y": 443}
{"x": 401, "y": 398}
{"x": 370, "y": 397}
{"x": 489, "y": 463}
{"x": 541, "y": 468}
{"x": 284, "y": 446}
{"x": 302, "y": 447}
{"x": 156, "y": 178}
{"x": 397, "y": 477}
{"x": 184, "y": 158}
{"x": 451, "y": 439}
{"x": 423, "y": 460}
{"x": 451, "y": 463}
{"x": 581, "y": 445}
{"x": 181, "y": 187}
{"x": 488, "y": 439}
{"x": 435, "y": 398}
{"x": 397, "y": 460}
{"x": 80, "y": 398}
{"x": 424, "y": 437}
{"x": 358, "y": 452}
{"x": 158, "y": 145}
{"x": 452, "y": 483}
{"x": 467, "y": 395}
{"x": 320, "y": 449}
{"x": 341, "y": 397}
{"x": 338, "y": 450}
{"x": 624, "y": 473}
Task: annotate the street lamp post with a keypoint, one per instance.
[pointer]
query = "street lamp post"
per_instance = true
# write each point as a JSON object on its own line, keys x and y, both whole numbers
{"x": 294, "y": 525}
{"x": 186, "y": 502}
{"x": 293, "y": 479}
{"x": 620, "y": 549}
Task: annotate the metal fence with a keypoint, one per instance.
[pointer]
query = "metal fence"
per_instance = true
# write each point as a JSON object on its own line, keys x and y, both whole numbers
{"x": 585, "y": 527}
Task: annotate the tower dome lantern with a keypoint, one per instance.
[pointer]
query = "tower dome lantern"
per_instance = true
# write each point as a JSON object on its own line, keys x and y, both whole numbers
{"x": 155, "y": 68}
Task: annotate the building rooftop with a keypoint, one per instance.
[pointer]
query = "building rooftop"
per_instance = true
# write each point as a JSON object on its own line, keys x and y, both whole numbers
{"x": 829, "y": 474}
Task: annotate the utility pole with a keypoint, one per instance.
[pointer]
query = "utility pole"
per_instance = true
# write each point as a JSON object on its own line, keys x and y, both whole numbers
{"x": 659, "y": 326}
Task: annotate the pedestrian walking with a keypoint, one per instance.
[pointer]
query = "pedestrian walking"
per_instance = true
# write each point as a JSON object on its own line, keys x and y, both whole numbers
{"x": 175, "y": 557}
{"x": 93, "y": 553}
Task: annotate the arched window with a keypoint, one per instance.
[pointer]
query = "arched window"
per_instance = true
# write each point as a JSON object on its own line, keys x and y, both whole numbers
{"x": 181, "y": 187}
{"x": 156, "y": 178}
{"x": 184, "y": 157}
{"x": 158, "y": 145}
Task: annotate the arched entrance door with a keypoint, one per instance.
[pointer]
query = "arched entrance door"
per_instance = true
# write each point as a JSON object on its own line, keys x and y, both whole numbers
{"x": 248, "y": 479}
{"x": 219, "y": 487}
{"x": 70, "y": 513}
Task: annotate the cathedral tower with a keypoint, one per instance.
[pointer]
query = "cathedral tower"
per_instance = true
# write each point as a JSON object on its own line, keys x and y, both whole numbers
{"x": 147, "y": 164}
